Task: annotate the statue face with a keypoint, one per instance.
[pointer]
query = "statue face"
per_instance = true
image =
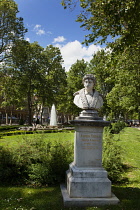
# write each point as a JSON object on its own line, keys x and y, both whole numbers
{"x": 88, "y": 84}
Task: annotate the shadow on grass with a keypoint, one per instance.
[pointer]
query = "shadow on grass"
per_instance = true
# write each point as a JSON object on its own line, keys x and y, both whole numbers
{"x": 51, "y": 198}
{"x": 129, "y": 197}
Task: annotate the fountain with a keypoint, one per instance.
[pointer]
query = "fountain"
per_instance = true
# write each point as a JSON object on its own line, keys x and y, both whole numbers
{"x": 53, "y": 118}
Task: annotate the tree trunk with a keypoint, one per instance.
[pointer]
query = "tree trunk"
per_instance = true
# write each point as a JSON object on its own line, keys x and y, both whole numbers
{"x": 29, "y": 109}
{"x": 6, "y": 118}
{"x": 41, "y": 115}
{"x": 11, "y": 118}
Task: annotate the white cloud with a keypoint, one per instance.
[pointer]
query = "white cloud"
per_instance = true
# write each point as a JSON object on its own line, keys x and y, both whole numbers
{"x": 49, "y": 32}
{"x": 37, "y": 26}
{"x": 28, "y": 39}
{"x": 73, "y": 51}
{"x": 59, "y": 39}
{"x": 39, "y": 30}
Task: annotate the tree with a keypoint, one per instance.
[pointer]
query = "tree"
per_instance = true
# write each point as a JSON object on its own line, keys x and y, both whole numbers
{"x": 40, "y": 73}
{"x": 74, "y": 83}
{"x": 11, "y": 27}
{"x": 56, "y": 76}
{"x": 124, "y": 98}
{"x": 119, "y": 19}
{"x": 118, "y": 80}
{"x": 109, "y": 17}
{"x": 11, "y": 97}
{"x": 30, "y": 70}
{"x": 53, "y": 90}
{"x": 102, "y": 66}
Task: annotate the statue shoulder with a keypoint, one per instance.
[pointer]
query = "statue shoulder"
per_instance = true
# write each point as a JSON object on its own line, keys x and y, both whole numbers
{"x": 78, "y": 92}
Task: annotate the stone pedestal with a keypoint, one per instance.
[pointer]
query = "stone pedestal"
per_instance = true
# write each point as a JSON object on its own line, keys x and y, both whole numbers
{"x": 87, "y": 181}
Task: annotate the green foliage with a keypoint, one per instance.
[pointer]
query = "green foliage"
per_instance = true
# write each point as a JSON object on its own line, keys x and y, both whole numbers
{"x": 117, "y": 72}
{"x": 102, "y": 18}
{"x": 56, "y": 78}
{"x": 33, "y": 161}
{"x": 39, "y": 162}
{"x": 5, "y": 163}
{"x": 116, "y": 127}
{"x": 41, "y": 77}
{"x": 118, "y": 79}
{"x": 11, "y": 27}
{"x": 53, "y": 167}
{"x": 102, "y": 66}
{"x": 7, "y": 132}
{"x": 112, "y": 157}
{"x": 29, "y": 197}
{"x": 74, "y": 83}
{"x": 124, "y": 97}
{"x": 8, "y": 127}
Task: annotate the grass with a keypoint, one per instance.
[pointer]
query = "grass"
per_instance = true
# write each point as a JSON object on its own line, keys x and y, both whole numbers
{"x": 45, "y": 198}
{"x": 12, "y": 141}
{"x": 129, "y": 139}
{"x": 29, "y": 198}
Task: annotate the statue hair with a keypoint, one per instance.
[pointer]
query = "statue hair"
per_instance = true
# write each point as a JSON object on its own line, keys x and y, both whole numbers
{"x": 89, "y": 76}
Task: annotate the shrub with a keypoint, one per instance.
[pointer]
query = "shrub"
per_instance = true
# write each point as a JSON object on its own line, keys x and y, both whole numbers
{"x": 9, "y": 171}
{"x": 20, "y": 132}
{"x": 8, "y": 127}
{"x": 112, "y": 158}
{"x": 35, "y": 162}
{"x": 116, "y": 127}
{"x": 53, "y": 168}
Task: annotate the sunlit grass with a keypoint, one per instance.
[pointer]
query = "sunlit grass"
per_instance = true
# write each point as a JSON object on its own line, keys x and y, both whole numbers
{"x": 129, "y": 139}
{"x": 14, "y": 140}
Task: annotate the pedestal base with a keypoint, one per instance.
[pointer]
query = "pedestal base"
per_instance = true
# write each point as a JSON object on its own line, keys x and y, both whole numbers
{"x": 83, "y": 202}
{"x": 88, "y": 182}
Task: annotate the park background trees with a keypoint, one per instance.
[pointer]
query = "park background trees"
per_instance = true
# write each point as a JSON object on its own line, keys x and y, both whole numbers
{"x": 117, "y": 71}
{"x": 32, "y": 75}
{"x": 11, "y": 27}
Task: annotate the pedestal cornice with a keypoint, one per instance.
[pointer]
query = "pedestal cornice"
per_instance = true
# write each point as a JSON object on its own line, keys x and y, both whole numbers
{"x": 87, "y": 122}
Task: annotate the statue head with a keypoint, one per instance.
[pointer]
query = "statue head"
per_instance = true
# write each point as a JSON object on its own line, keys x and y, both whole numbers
{"x": 89, "y": 81}
{"x": 91, "y": 77}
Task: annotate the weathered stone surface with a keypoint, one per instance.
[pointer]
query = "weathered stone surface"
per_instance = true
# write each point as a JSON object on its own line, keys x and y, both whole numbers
{"x": 87, "y": 182}
{"x": 88, "y": 97}
{"x": 97, "y": 172}
{"x": 88, "y": 146}
{"x": 84, "y": 202}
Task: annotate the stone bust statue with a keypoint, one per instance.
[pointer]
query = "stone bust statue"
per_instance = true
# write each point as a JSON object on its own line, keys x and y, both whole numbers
{"x": 88, "y": 98}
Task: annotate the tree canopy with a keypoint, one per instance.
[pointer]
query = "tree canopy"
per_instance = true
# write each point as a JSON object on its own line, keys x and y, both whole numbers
{"x": 117, "y": 72}
{"x": 40, "y": 72}
{"x": 11, "y": 27}
{"x": 74, "y": 83}
{"x": 109, "y": 17}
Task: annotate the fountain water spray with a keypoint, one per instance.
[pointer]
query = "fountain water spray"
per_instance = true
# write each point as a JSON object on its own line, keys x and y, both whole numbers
{"x": 53, "y": 118}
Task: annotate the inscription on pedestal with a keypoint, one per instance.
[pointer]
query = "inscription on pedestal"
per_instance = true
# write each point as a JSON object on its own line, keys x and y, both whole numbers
{"x": 90, "y": 141}
{"x": 88, "y": 149}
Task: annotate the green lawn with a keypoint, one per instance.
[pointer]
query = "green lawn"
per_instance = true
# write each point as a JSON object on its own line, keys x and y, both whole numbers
{"x": 44, "y": 198}
{"x": 129, "y": 139}
{"x": 12, "y": 141}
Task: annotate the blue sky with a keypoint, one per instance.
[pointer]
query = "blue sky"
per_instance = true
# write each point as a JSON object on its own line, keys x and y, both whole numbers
{"x": 49, "y": 23}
